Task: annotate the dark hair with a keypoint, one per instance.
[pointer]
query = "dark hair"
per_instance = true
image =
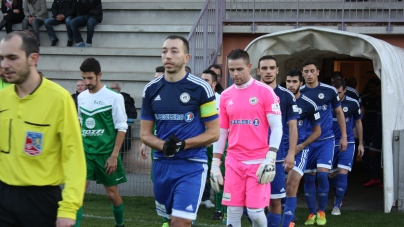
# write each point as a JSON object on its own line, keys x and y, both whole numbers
{"x": 239, "y": 53}
{"x": 184, "y": 40}
{"x": 188, "y": 69}
{"x": 337, "y": 75}
{"x": 90, "y": 65}
{"x": 212, "y": 73}
{"x": 267, "y": 57}
{"x": 216, "y": 67}
{"x": 295, "y": 72}
{"x": 338, "y": 83}
{"x": 375, "y": 81}
{"x": 351, "y": 81}
{"x": 310, "y": 61}
{"x": 29, "y": 41}
{"x": 160, "y": 69}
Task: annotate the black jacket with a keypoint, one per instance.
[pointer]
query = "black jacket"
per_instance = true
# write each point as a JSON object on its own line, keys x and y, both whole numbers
{"x": 90, "y": 7}
{"x": 129, "y": 106}
{"x": 65, "y": 7}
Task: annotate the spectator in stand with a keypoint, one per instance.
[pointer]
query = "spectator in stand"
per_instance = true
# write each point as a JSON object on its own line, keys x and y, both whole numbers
{"x": 131, "y": 113}
{"x": 12, "y": 14}
{"x": 80, "y": 87}
{"x": 89, "y": 12}
{"x": 35, "y": 14}
{"x": 63, "y": 11}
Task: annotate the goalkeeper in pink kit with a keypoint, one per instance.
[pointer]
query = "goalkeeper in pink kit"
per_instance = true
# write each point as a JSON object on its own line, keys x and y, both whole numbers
{"x": 247, "y": 109}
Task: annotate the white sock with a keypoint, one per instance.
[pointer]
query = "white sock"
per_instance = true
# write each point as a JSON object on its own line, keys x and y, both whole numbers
{"x": 234, "y": 216}
{"x": 257, "y": 217}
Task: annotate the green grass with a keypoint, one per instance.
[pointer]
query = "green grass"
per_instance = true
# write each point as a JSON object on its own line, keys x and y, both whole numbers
{"x": 140, "y": 212}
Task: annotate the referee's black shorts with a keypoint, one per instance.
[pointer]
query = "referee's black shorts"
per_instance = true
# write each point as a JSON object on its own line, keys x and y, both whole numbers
{"x": 33, "y": 206}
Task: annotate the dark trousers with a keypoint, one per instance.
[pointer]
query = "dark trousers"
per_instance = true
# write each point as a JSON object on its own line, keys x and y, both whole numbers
{"x": 12, "y": 18}
{"x": 28, "y": 205}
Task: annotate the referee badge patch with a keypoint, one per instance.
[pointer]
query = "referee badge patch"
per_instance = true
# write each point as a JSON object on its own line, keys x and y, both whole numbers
{"x": 33, "y": 143}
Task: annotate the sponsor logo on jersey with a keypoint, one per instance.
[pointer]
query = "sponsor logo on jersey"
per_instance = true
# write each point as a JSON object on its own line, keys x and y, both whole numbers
{"x": 90, "y": 123}
{"x": 253, "y": 100}
{"x": 157, "y": 98}
{"x": 321, "y": 95}
{"x": 317, "y": 116}
{"x": 276, "y": 107}
{"x": 184, "y": 97}
{"x": 98, "y": 132}
{"x": 256, "y": 122}
{"x": 33, "y": 143}
{"x": 323, "y": 107}
{"x": 300, "y": 110}
{"x": 282, "y": 190}
{"x": 295, "y": 108}
{"x": 99, "y": 102}
{"x": 189, "y": 117}
{"x": 300, "y": 123}
{"x": 226, "y": 197}
{"x": 345, "y": 109}
{"x": 230, "y": 103}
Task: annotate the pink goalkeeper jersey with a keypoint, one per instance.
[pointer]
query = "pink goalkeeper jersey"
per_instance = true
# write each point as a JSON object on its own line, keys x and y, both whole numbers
{"x": 243, "y": 111}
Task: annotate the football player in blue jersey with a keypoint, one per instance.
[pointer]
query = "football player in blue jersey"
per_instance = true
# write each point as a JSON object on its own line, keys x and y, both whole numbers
{"x": 268, "y": 70}
{"x": 183, "y": 108}
{"x": 342, "y": 162}
{"x": 350, "y": 91}
{"x": 309, "y": 130}
{"x": 322, "y": 150}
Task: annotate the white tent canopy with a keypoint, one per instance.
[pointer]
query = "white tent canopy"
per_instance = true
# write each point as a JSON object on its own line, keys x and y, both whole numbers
{"x": 388, "y": 63}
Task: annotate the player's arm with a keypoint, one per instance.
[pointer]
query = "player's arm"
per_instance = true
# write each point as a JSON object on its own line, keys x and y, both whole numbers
{"x": 341, "y": 123}
{"x": 359, "y": 130}
{"x": 147, "y": 136}
{"x": 316, "y": 132}
{"x": 119, "y": 118}
{"x": 72, "y": 160}
{"x": 209, "y": 136}
{"x": 290, "y": 157}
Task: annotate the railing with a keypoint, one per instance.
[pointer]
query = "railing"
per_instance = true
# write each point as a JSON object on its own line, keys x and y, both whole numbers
{"x": 315, "y": 11}
{"x": 205, "y": 38}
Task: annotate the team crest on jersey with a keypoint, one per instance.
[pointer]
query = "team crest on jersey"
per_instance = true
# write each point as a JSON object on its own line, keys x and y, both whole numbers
{"x": 256, "y": 122}
{"x": 345, "y": 109}
{"x": 253, "y": 100}
{"x": 185, "y": 97}
{"x": 321, "y": 96}
{"x": 300, "y": 123}
{"x": 33, "y": 143}
{"x": 189, "y": 117}
{"x": 90, "y": 123}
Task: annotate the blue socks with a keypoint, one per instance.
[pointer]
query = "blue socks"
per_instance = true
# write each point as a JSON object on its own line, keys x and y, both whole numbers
{"x": 340, "y": 191}
{"x": 310, "y": 192}
{"x": 322, "y": 190}
{"x": 273, "y": 219}
{"x": 289, "y": 211}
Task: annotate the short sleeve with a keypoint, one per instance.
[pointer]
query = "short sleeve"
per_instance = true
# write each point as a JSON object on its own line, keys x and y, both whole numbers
{"x": 147, "y": 112}
{"x": 272, "y": 105}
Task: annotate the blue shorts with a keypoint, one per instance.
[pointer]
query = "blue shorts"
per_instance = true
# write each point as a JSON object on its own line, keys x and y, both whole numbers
{"x": 343, "y": 159}
{"x": 301, "y": 160}
{"x": 278, "y": 185}
{"x": 321, "y": 154}
{"x": 178, "y": 187}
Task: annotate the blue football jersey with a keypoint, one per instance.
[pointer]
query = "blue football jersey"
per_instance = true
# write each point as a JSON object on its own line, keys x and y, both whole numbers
{"x": 177, "y": 108}
{"x": 353, "y": 93}
{"x": 352, "y": 112}
{"x": 326, "y": 99}
{"x": 308, "y": 117}
{"x": 289, "y": 112}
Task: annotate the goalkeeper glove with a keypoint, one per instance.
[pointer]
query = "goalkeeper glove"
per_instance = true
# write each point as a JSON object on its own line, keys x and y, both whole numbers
{"x": 216, "y": 177}
{"x": 172, "y": 146}
{"x": 266, "y": 171}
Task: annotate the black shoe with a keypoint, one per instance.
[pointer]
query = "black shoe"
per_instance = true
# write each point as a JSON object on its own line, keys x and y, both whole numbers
{"x": 2, "y": 24}
{"x": 120, "y": 226}
{"x": 217, "y": 216}
{"x": 55, "y": 42}
{"x": 69, "y": 43}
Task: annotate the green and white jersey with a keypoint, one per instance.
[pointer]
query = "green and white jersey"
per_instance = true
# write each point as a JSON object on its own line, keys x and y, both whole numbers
{"x": 101, "y": 115}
